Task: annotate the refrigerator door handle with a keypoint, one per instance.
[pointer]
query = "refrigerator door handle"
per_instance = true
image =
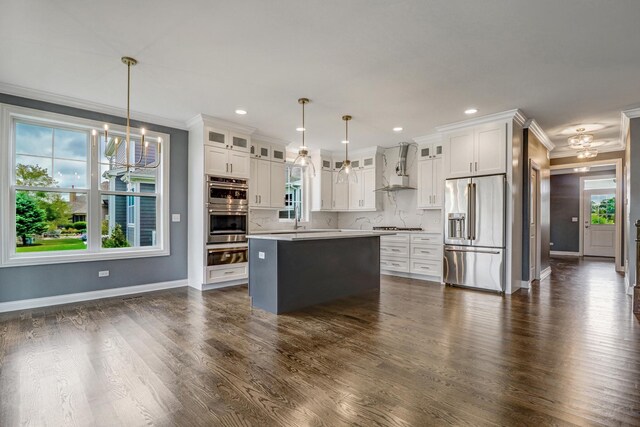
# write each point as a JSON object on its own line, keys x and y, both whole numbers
{"x": 474, "y": 201}
{"x": 469, "y": 218}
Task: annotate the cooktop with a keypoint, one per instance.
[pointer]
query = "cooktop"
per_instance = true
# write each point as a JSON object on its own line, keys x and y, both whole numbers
{"x": 384, "y": 228}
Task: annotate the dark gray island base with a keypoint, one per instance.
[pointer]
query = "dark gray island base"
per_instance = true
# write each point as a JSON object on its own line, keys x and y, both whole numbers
{"x": 287, "y": 274}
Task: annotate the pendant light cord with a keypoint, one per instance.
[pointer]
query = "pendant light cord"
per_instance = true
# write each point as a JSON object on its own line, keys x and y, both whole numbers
{"x": 303, "y": 128}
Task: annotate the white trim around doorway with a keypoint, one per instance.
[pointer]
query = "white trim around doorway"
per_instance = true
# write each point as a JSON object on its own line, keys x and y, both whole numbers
{"x": 619, "y": 203}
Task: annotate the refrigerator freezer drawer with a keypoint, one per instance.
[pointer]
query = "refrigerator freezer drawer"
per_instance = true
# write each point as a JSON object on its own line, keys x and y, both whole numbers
{"x": 474, "y": 267}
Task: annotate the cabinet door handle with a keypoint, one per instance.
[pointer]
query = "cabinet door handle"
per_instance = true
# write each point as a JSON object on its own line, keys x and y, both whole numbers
{"x": 470, "y": 167}
{"x": 476, "y": 166}
{"x": 260, "y": 198}
{"x": 227, "y": 168}
{"x": 231, "y": 167}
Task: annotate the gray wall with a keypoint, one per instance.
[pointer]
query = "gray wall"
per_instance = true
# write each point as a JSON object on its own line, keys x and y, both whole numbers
{"x": 18, "y": 283}
{"x": 565, "y": 203}
{"x": 535, "y": 151}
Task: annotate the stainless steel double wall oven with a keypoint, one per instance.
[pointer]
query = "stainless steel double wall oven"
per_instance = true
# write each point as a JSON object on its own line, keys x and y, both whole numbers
{"x": 227, "y": 210}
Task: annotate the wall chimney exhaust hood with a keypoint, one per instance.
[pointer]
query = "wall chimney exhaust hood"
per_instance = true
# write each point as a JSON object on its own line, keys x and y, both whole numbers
{"x": 399, "y": 181}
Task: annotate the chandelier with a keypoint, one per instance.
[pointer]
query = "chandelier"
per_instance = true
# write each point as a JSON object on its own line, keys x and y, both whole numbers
{"x": 582, "y": 142}
{"x": 303, "y": 160}
{"x": 126, "y": 153}
{"x": 346, "y": 174}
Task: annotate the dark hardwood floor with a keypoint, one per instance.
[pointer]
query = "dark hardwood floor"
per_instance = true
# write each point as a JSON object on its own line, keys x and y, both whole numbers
{"x": 567, "y": 352}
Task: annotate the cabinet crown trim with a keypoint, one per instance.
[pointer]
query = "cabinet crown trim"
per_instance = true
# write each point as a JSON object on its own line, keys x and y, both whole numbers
{"x": 259, "y": 137}
{"x": 535, "y": 128}
{"x": 515, "y": 115}
{"x": 428, "y": 139}
{"x": 204, "y": 120}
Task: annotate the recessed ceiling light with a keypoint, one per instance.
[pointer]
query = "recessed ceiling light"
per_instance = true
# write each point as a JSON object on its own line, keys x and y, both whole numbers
{"x": 241, "y": 112}
{"x": 470, "y": 111}
{"x": 300, "y": 129}
{"x": 397, "y": 129}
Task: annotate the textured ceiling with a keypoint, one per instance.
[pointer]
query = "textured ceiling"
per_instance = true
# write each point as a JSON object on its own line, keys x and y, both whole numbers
{"x": 415, "y": 64}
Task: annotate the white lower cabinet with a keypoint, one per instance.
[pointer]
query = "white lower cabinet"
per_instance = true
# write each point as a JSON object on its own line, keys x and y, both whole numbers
{"x": 223, "y": 274}
{"x": 417, "y": 255}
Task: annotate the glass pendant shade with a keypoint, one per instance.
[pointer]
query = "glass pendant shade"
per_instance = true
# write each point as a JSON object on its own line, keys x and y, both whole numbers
{"x": 346, "y": 174}
{"x": 303, "y": 160}
{"x": 587, "y": 153}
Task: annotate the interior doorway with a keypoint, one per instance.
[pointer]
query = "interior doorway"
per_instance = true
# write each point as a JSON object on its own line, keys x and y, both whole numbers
{"x": 534, "y": 222}
{"x": 599, "y": 207}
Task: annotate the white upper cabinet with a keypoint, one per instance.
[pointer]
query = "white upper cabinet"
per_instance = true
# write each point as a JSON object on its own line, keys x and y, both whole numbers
{"x": 370, "y": 199}
{"x": 267, "y": 177}
{"x": 226, "y": 153}
{"x": 278, "y": 180}
{"x": 490, "y": 149}
{"x": 479, "y": 150}
{"x": 340, "y": 194}
{"x": 460, "y": 153}
{"x": 216, "y": 160}
{"x": 430, "y": 183}
{"x": 239, "y": 142}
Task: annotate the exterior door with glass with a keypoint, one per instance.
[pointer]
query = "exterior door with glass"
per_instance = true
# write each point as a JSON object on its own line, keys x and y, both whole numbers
{"x": 599, "y": 222}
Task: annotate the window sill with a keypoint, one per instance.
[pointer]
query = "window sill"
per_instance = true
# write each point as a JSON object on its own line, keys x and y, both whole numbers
{"x": 73, "y": 256}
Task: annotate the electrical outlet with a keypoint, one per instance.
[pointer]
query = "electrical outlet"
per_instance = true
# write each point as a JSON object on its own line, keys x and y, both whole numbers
{"x": 175, "y": 217}
{"x": 261, "y": 255}
{"x": 103, "y": 273}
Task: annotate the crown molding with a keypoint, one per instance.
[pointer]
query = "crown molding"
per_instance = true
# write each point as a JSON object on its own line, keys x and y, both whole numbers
{"x": 83, "y": 104}
{"x": 205, "y": 120}
{"x": 428, "y": 139}
{"x": 632, "y": 113}
{"x": 539, "y": 133}
{"x": 256, "y": 136}
{"x": 516, "y": 115}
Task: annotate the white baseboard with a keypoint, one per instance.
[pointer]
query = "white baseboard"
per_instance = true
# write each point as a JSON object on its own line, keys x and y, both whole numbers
{"x": 545, "y": 273}
{"x": 26, "y": 304}
{"x": 630, "y": 290}
{"x": 525, "y": 284}
{"x": 563, "y": 253}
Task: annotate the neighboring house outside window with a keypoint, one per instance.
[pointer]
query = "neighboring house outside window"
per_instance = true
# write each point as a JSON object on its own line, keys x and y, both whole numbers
{"x": 295, "y": 194}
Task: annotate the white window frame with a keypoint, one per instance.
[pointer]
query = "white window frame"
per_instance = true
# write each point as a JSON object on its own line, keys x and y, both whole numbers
{"x": 94, "y": 252}
{"x": 306, "y": 199}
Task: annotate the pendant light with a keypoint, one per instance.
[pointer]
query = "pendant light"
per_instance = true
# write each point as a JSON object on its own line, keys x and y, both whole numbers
{"x": 126, "y": 158}
{"x": 303, "y": 160}
{"x": 346, "y": 174}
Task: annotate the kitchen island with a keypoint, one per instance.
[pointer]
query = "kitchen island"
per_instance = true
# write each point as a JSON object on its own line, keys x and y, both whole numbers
{"x": 288, "y": 272}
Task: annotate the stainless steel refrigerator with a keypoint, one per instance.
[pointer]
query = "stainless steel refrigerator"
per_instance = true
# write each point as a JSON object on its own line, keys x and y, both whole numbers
{"x": 474, "y": 234}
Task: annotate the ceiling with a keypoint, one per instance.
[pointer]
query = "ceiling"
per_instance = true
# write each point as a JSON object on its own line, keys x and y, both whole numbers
{"x": 416, "y": 64}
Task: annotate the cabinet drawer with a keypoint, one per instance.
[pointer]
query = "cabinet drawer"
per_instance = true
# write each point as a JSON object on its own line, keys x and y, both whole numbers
{"x": 430, "y": 268}
{"x": 433, "y": 252}
{"x": 218, "y": 274}
{"x": 427, "y": 238}
{"x": 394, "y": 250}
{"x": 394, "y": 264}
{"x": 394, "y": 239}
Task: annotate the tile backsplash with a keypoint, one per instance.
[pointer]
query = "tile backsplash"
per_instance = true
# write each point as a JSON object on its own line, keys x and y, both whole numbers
{"x": 265, "y": 220}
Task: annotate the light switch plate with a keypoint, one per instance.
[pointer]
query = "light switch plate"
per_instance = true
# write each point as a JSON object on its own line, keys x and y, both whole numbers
{"x": 261, "y": 255}
{"x": 103, "y": 273}
{"x": 574, "y": 219}
{"x": 175, "y": 217}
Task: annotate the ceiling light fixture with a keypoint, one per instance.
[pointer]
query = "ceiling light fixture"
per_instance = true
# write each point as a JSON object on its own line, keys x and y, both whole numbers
{"x": 304, "y": 160}
{"x": 397, "y": 129}
{"x": 580, "y": 139}
{"x": 113, "y": 146}
{"x": 346, "y": 174}
{"x": 300, "y": 129}
{"x": 470, "y": 111}
{"x": 587, "y": 153}
{"x": 241, "y": 112}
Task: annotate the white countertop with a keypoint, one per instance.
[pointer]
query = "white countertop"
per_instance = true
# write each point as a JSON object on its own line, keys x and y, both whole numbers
{"x": 319, "y": 235}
